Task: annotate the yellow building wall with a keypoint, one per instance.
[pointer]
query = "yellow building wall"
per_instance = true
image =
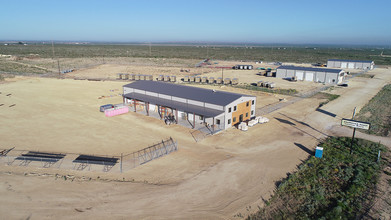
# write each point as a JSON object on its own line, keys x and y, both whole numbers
{"x": 242, "y": 109}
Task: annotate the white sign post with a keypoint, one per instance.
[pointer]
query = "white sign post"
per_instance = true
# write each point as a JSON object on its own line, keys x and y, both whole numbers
{"x": 355, "y": 124}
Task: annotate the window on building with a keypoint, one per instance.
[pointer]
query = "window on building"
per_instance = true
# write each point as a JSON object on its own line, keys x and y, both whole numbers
{"x": 218, "y": 121}
{"x": 235, "y": 108}
{"x": 253, "y": 102}
{"x": 247, "y": 104}
{"x": 234, "y": 119}
{"x": 246, "y": 114}
{"x": 229, "y": 110}
{"x": 252, "y": 112}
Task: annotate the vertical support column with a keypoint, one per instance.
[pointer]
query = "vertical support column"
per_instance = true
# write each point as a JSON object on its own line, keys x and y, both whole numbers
{"x": 193, "y": 120}
{"x": 213, "y": 125}
{"x": 147, "y": 108}
{"x": 135, "y": 104}
{"x": 176, "y": 116}
{"x": 123, "y": 99}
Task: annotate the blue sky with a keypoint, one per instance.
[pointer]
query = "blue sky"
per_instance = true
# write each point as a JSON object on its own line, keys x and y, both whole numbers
{"x": 277, "y": 21}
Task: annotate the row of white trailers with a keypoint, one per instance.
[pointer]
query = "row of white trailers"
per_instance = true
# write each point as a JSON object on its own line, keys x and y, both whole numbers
{"x": 310, "y": 75}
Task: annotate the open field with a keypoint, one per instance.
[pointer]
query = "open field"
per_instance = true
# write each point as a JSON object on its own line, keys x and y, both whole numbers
{"x": 283, "y": 53}
{"x": 223, "y": 175}
{"x": 39, "y": 58}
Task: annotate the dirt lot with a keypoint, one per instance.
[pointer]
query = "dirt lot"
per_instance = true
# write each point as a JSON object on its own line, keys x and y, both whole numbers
{"x": 218, "y": 178}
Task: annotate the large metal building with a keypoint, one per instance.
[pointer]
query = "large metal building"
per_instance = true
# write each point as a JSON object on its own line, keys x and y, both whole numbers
{"x": 190, "y": 106}
{"x": 351, "y": 64}
{"x": 322, "y": 75}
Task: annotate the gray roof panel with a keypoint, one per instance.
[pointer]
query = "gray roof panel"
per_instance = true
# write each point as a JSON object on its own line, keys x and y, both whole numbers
{"x": 355, "y": 61}
{"x": 185, "y": 107}
{"x": 187, "y": 92}
{"x": 310, "y": 69}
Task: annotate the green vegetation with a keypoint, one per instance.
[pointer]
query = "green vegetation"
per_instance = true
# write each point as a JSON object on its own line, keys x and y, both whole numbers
{"x": 338, "y": 186}
{"x": 263, "y": 89}
{"x": 299, "y": 54}
{"x": 378, "y": 112}
{"x": 324, "y": 95}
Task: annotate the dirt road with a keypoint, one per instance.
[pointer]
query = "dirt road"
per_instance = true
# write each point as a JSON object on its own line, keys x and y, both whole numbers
{"x": 236, "y": 185}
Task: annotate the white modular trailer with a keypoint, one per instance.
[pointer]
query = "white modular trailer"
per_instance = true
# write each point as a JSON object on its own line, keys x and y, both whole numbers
{"x": 197, "y": 105}
{"x": 321, "y": 75}
{"x": 351, "y": 64}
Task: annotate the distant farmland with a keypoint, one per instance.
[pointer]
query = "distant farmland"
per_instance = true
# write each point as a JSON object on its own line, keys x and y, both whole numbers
{"x": 264, "y": 53}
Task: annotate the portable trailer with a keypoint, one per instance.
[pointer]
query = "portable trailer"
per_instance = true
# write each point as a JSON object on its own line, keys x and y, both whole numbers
{"x": 105, "y": 107}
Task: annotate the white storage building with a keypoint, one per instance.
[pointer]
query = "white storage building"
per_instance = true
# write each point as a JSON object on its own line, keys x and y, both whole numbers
{"x": 351, "y": 64}
{"x": 322, "y": 75}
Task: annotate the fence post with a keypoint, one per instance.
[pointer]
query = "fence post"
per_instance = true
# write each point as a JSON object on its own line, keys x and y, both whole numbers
{"x": 121, "y": 162}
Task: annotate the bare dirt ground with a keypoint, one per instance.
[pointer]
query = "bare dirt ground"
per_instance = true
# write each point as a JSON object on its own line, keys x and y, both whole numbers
{"x": 224, "y": 176}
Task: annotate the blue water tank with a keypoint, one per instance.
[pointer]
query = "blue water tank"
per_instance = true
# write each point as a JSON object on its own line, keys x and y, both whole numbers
{"x": 319, "y": 152}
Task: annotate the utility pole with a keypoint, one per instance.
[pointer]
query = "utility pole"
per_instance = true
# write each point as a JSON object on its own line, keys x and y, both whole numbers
{"x": 59, "y": 70}
{"x": 52, "y": 50}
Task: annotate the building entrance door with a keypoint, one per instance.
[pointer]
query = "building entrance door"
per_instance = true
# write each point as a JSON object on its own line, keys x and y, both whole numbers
{"x": 241, "y": 118}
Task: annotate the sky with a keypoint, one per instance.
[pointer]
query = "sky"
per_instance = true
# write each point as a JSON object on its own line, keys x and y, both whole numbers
{"x": 275, "y": 21}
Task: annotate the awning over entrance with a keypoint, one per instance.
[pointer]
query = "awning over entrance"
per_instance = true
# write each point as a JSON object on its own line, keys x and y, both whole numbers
{"x": 198, "y": 110}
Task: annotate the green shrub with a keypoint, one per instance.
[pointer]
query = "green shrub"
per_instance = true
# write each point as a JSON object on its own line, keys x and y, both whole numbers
{"x": 334, "y": 187}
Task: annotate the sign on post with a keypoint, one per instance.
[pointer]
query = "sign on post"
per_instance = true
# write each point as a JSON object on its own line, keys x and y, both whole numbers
{"x": 355, "y": 124}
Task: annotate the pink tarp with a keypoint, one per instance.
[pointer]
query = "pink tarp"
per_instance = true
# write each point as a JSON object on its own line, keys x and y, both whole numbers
{"x": 114, "y": 112}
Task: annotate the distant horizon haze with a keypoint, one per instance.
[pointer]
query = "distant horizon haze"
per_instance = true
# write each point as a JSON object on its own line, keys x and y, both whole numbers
{"x": 301, "y": 22}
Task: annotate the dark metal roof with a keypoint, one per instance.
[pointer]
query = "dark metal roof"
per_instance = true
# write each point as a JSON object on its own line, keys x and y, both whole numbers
{"x": 187, "y": 92}
{"x": 207, "y": 112}
{"x": 356, "y": 61}
{"x": 310, "y": 69}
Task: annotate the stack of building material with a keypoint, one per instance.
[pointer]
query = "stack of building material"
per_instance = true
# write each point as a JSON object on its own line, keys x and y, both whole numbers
{"x": 119, "y": 75}
{"x": 172, "y": 78}
{"x": 235, "y": 81}
{"x": 198, "y": 79}
{"x": 252, "y": 123}
{"x": 125, "y": 76}
{"x": 192, "y": 78}
{"x": 260, "y": 83}
{"x": 204, "y": 79}
{"x": 227, "y": 81}
{"x": 211, "y": 80}
{"x": 132, "y": 76}
{"x": 243, "y": 126}
{"x": 161, "y": 78}
{"x": 219, "y": 80}
{"x": 167, "y": 78}
{"x": 262, "y": 120}
{"x": 186, "y": 79}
